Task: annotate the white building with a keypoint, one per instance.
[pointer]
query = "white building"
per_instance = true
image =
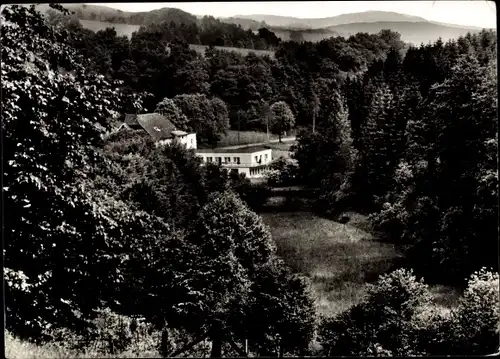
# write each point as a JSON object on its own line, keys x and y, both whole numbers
{"x": 161, "y": 129}
{"x": 252, "y": 161}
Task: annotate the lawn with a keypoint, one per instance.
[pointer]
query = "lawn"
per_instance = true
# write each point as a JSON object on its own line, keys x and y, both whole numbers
{"x": 337, "y": 261}
{"x": 121, "y": 29}
{"x": 21, "y": 349}
{"x": 244, "y": 52}
{"x": 281, "y": 149}
{"x": 127, "y": 30}
{"x": 245, "y": 138}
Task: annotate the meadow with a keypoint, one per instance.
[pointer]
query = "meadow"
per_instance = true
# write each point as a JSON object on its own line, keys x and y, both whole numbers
{"x": 338, "y": 262}
{"x": 231, "y": 138}
{"x": 127, "y": 30}
{"x": 121, "y": 29}
{"x": 20, "y": 349}
{"x": 244, "y": 52}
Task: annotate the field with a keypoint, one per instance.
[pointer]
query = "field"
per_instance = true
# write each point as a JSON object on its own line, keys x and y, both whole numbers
{"x": 127, "y": 30}
{"x": 281, "y": 149}
{"x": 337, "y": 261}
{"x": 121, "y": 29}
{"x": 245, "y": 138}
{"x": 244, "y": 52}
{"x": 20, "y": 349}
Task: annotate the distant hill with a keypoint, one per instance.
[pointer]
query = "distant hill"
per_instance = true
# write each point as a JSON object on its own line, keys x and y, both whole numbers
{"x": 367, "y": 16}
{"x": 413, "y": 29}
{"x": 414, "y": 32}
{"x": 247, "y": 24}
{"x": 115, "y": 16}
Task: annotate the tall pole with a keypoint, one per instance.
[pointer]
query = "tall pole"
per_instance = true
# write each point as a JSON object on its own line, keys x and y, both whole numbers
{"x": 239, "y": 127}
{"x": 267, "y": 114}
{"x": 314, "y": 120}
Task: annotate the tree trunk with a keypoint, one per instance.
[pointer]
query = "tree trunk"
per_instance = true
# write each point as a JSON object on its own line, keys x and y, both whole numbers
{"x": 216, "y": 348}
{"x": 314, "y": 121}
{"x": 282, "y": 350}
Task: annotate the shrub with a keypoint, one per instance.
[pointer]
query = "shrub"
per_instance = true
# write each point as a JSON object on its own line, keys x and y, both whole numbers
{"x": 282, "y": 172}
{"x": 475, "y": 323}
{"x": 384, "y": 323}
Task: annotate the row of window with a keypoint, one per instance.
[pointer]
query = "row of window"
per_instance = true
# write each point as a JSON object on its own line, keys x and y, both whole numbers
{"x": 226, "y": 160}
{"x": 256, "y": 171}
{"x": 259, "y": 158}
{"x": 236, "y": 160}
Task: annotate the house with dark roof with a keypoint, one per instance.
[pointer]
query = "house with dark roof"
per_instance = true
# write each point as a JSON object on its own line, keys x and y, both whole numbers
{"x": 159, "y": 128}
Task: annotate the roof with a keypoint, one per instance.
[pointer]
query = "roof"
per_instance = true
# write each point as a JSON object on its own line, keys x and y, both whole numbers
{"x": 250, "y": 149}
{"x": 130, "y": 119}
{"x": 178, "y": 133}
{"x": 154, "y": 123}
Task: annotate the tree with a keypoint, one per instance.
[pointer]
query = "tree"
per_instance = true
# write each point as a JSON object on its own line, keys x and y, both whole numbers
{"x": 226, "y": 255}
{"x": 384, "y": 323}
{"x": 476, "y": 321}
{"x": 60, "y": 232}
{"x": 209, "y": 118}
{"x": 282, "y": 118}
{"x": 174, "y": 114}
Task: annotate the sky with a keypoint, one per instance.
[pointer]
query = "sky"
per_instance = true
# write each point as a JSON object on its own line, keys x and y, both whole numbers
{"x": 479, "y": 13}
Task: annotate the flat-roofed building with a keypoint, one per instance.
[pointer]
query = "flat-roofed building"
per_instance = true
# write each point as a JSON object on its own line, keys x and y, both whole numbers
{"x": 252, "y": 161}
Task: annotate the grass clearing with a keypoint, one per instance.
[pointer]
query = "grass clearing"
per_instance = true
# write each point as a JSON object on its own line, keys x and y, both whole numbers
{"x": 20, "y": 349}
{"x": 201, "y": 49}
{"x": 121, "y": 29}
{"x": 281, "y": 149}
{"x": 339, "y": 262}
{"x": 245, "y": 138}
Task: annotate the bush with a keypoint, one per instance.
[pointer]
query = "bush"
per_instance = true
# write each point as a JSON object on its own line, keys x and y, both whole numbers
{"x": 254, "y": 195}
{"x": 282, "y": 172}
{"x": 384, "y": 323}
{"x": 475, "y": 323}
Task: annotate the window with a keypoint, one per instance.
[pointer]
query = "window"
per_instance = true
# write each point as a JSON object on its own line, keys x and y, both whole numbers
{"x": 227, "y": 159}
{"x": 265, "y": 157}
{"x": 237, "y": 160}
{"x": 209, "y": 159}
{"x": 256, "y": 158}
{"x": 218, "y": 160}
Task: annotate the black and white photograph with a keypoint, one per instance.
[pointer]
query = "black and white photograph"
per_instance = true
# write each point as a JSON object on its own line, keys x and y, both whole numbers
{"x": 250, "y": 179}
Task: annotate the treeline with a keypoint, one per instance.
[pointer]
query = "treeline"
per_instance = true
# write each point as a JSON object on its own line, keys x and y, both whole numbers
{"x": 108, "y": 228}
{"x": 412, "y": 142}
{"x": 157, "y": 60}
{"x": 103, "y": 227}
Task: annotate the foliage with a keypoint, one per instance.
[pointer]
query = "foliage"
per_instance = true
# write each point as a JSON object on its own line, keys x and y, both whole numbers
{"x": 207, "y": 117}
{"x": 476, "y": 321}
{"x": 282, "y": 118}
{"x": 174, "y": 114}
{"x": 58, "y": 230}
{"x": 282, "y": 172}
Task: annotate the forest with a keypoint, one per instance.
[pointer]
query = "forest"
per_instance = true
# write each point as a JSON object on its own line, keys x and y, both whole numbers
{"x": 116, "y": 247}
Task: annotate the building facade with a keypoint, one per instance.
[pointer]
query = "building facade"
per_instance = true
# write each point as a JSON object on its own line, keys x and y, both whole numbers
{"x": 160, "y": 129}
{"x": 252, "y": 161}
